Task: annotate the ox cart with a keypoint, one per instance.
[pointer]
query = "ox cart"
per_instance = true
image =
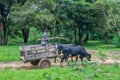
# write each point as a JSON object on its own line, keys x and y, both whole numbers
{"x": 39, "y": 55}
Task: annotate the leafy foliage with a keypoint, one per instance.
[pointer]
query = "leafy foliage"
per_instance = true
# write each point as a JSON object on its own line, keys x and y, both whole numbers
{"x": 34, "y": 36}
{"x": 102, "y": 54}
{"x": 69, "y": 73}
{"x": 116, "y": 40}
{"x": 80, "y": 17}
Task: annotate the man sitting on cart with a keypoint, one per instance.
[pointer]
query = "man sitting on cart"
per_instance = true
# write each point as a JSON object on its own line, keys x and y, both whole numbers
{"x": 45, "y": 38}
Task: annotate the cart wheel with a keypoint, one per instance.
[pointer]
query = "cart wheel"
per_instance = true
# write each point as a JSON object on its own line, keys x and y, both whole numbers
{"x": 44, "y": 63}
{"x": 34, "y": 63}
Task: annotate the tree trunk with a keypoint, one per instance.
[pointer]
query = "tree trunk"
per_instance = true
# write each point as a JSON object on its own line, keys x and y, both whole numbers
{"x": 106, "y": 37}
{"x": 119, "y": 32}
{"x": 80, "y": 38}
{"x": 86, "y": 38}
{"x": 0, "y": 39}
{"x": 54, "y": 31}
{"x": 1, "y": 31}
{"x": 25, "y": 33}
{"x": 75, "y": 41}
{"x": 80, "y": 35}
{"x": 4, "y": 33}
{"x": 58, "y": 32}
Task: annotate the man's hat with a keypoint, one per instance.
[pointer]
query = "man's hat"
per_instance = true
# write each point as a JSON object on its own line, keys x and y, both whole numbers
{"x": 46, "y": 30}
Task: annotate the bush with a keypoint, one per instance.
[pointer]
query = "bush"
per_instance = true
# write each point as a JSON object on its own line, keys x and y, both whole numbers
{"x": 116, "y": 40}
{"x": 96, "y": 36}
{"x": 34, "y": 35}
{"x": 14, "y": 41}
{"x": 102, "y": 54}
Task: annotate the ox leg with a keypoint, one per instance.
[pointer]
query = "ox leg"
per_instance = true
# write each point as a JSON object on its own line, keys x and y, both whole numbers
{"x": 55, "y": 59}
{"x": 76, "y": 60}
{"x": 61, "y": 64}
{"x": 66, "y": 60}
{"x": 71, "y": 58}
{"x": 62, "y": 59}
{"x": 81, "y": 57}
{"x": 72, "y": 61}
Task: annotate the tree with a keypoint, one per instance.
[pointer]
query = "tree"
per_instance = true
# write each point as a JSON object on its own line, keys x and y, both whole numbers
{"x": 113, "y": 18}
{"x": 1, "y": 32}
{"x": 5, "y": 8}
{"x": 80, "y": 17}
{"x": 85, "y": 18}
{"x": 110, "y": 20}
{"x": 22, "y": 16}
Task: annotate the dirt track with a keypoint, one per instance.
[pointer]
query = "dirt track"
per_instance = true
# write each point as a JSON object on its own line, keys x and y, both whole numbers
{"x": 26, "y": 66}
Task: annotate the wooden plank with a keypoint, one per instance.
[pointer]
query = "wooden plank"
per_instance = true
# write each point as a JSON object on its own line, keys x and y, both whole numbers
{"x": 41, "y": 55}
{"x": 37, "y": 52}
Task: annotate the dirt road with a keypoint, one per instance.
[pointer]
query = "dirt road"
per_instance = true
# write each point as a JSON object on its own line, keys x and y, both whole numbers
{"x": 26, "y": 66}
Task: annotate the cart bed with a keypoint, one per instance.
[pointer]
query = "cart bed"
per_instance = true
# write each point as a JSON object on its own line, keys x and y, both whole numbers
{"x": 37, "y": 52}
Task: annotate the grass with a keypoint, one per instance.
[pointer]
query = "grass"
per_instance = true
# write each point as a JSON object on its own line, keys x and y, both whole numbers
{"x": 100, "y": 45}
{"x": 66, "y": 73}
{"x": 95, "y": 44}
{"x": 9, "y": 53}
{"x": 90, "y": 71}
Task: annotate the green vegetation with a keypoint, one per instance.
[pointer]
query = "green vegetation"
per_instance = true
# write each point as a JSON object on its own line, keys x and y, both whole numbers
{"x": 93, "y": 24}
{"x": 100, "y": 44}
{"x": 77, "y": 20}
{"x": 9, "y": 53}
{"x": 67, "y": 73}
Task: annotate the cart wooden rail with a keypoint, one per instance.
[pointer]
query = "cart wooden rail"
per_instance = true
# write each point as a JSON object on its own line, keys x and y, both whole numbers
{"x": 39, "y": 55}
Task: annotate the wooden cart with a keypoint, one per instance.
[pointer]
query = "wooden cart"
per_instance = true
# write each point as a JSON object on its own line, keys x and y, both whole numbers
{"x": 38, "y": 55}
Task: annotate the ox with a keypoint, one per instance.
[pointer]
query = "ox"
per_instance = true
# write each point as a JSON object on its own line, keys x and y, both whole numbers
{"x": 73, "y": 50}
